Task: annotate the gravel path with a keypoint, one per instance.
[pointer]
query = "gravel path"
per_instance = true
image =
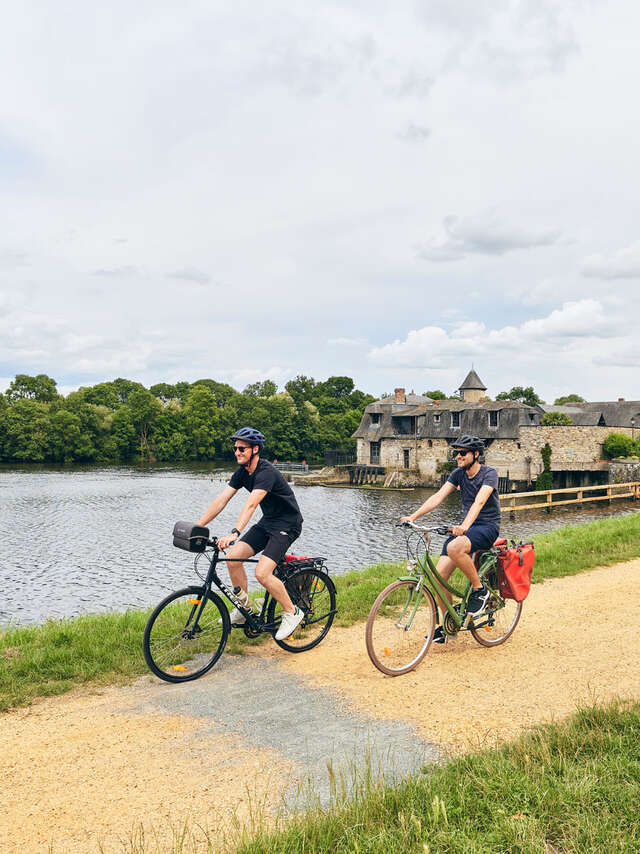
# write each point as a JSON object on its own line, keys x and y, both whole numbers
{"x": 257, "y": 734}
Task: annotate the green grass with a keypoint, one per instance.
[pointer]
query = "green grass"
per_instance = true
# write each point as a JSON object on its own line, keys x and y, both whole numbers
{"x": 38, "y": 661}
{"x": 573, "y": 788}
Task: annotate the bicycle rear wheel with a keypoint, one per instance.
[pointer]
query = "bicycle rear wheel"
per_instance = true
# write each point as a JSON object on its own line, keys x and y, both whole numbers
{"x": 314, "y": 592}
{"x": 501, "y": 621}
{"x": 182, "y": 641}
{"x": 400, "y": 627}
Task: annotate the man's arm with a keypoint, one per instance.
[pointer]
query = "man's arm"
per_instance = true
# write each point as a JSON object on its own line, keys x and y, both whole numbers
{"x": 217, "y": 505}
{"x": 431, "y": 503}
{"x": 255, "y": 497}
{"x": 480, "y": 500}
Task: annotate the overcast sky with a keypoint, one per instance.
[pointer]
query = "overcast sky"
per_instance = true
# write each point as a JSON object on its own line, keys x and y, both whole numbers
{"x": 212, "y": 189}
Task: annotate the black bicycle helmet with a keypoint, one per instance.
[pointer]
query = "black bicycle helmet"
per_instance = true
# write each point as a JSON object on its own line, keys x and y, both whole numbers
{"x": 250, "y": 435}
{"x": 468, "y": 443}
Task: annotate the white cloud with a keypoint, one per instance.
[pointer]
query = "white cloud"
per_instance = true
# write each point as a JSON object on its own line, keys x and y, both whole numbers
{"x": 347, "y": 342}
{"x": 190, "y": 274}
{"x": 483, "y": 234}
{"x": 623, "y": 264}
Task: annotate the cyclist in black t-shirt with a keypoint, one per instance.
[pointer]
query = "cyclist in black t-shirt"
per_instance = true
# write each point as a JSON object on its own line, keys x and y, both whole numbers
{"x": 280, "y": 525}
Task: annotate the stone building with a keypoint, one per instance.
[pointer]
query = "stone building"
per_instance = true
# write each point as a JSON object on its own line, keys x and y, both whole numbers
{"x": 413, "y": 433}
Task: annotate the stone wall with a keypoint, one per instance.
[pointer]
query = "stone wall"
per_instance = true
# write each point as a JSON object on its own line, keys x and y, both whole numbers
{"x": 573, "y": 448}
{"x": 624, "y": 471}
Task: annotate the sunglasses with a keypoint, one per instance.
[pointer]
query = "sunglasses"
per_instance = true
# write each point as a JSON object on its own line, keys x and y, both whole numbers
{"x": 240, "y": 449}
{"x": 461, "y": 453}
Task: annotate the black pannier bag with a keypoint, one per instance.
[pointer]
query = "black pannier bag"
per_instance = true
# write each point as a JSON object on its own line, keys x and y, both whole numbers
{"x": 190, "y": 537}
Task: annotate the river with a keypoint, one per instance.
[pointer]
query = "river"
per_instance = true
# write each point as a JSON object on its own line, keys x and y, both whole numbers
{"x": 76, "y": 541}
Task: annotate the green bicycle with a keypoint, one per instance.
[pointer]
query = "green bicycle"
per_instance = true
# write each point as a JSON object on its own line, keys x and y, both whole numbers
{"x": 404, "y": 617}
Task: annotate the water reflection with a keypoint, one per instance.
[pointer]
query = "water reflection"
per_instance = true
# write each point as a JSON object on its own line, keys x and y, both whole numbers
{"x": 73, "y": 542}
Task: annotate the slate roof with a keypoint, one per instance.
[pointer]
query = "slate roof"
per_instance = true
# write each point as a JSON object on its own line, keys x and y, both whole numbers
{"x": 604, "y": 413}
{"x": 473, "y": 381}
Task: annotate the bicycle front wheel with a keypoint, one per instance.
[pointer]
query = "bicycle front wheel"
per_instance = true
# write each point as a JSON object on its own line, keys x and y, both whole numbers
{"x": 314, "y": 592}
{"x": 400, "y": 627}
{"x": 183, "y": 640}
{"x": 501, "y": 621}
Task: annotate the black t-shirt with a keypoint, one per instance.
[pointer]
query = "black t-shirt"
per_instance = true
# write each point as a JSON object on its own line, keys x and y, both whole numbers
{"x": 469, "y": 488}
{"x": 279, "y": 507}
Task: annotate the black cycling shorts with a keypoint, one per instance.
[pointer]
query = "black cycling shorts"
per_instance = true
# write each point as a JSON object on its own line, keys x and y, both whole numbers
{"x": 272, "y": 544}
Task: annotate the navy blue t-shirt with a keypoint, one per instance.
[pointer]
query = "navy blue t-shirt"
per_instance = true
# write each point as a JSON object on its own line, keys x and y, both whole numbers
{"x": 279, "y": 507}
{"x": 469, "y": 488}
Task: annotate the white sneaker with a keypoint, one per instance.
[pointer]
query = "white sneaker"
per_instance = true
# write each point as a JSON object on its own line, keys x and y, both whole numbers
{"x": 289, "y": 624}
{"x": 237, "y": 618}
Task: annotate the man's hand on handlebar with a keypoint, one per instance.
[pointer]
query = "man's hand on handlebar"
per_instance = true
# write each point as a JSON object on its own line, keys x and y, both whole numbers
{"x": 225, "y": 542}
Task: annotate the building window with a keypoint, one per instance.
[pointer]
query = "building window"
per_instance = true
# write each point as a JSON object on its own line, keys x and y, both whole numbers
{"x": 375, "y": 419}
{"x": 455, "y": 419}
{"x": 436, "y": 417}
{"x": 406, "y": 457}
{"x": 493, "y": 418}
{"x": 532, "y": 416}
{"x": 374, "y": 453}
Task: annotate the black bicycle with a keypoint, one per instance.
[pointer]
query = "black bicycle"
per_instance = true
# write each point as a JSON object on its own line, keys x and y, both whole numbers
{"x": 187, "y": 632}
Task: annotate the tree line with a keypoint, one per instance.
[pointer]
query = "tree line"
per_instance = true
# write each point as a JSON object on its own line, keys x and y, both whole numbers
{"x": 122, "y": 421}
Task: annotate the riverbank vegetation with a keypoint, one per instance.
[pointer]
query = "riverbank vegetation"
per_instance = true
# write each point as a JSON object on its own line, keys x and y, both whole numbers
{"x": 49, "y": 659}
{"x": 122, "y": 421}
{"x": 572, "y": 786}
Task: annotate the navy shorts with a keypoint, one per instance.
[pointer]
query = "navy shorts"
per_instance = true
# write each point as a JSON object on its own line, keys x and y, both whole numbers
{"x": 272, "y": 544}
{"x": 482, "y": 536}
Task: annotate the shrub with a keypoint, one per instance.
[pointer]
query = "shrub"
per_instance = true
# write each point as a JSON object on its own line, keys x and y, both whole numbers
{"x": 555, "y": 419}
{"x": 619, "y": 445}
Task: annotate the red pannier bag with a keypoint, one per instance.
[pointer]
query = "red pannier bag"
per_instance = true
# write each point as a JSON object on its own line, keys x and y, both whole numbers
{"x": 515, "y": 566}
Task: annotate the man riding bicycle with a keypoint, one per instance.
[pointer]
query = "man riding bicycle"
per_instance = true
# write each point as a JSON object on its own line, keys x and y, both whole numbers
{"x": 478, "y": 485}
{"x": 280, "y": 525}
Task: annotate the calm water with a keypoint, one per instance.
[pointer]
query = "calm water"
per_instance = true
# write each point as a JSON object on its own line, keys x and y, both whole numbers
{"x": 73, "y": 542}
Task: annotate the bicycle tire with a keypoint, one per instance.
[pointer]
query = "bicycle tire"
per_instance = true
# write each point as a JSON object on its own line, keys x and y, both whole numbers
{"x": 393, "y": 647}
{"x": 314, "y": 592}
{"x": 506, "y": 620}
{"x": 170, "y": 649}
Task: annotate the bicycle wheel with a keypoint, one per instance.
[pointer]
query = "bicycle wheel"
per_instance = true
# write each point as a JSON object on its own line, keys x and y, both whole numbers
{"x": 314, "y": 592}
{"x": 176, "y": 648}
{"x": 502, "y": 621}
{"x": 400, "y": 627}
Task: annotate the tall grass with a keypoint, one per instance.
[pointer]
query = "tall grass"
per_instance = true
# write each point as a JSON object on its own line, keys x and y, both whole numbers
{"x": 571, "y": 787}
{"x": 60, "y": 654}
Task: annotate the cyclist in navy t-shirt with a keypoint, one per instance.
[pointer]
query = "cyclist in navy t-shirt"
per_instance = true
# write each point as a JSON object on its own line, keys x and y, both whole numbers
{"x": 280, "y": 525}
{"x": 478, "y": 485}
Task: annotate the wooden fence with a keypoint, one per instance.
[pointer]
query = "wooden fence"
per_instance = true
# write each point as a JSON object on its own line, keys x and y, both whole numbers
{"x": 581, "y": 495}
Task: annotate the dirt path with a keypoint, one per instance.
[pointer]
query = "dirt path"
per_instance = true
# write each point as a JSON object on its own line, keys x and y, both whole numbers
{"x": 99, "y": 766}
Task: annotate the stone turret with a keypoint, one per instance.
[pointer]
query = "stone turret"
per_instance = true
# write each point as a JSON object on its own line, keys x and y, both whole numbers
{"x": 472, "y": 389}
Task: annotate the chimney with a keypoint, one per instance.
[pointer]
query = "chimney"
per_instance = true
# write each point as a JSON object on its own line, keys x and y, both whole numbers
{"x": 400, "y": 396}
{"x": 620, "y": 399}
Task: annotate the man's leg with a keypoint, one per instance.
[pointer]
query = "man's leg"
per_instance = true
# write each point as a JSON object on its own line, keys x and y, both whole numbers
{"x": 459, "y": 550}
{"x": 264, "y": 574}
{"x": 444, "y": 568}
{"x": 240, "y": 551}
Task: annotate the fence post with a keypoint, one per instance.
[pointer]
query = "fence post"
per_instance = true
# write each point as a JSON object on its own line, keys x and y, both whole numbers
{"x": 549, "y": 499}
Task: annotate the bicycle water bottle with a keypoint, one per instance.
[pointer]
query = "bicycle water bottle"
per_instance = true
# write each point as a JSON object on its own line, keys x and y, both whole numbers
{"x": 243, "y": 597}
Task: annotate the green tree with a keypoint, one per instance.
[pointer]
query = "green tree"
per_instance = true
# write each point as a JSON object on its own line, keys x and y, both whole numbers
{"x": 555, "y": 419}
{"x": 123, "y": 434}
{"x": 124, "y": 388}
{"x": 544, "y": 480}
{"x": 24, "y": 387}
{"x": 164, "y": 392}
{"x": 524, "y": 395}
{"x": 202, "y": 421}
{"x": 336, "y": 387}
{"x": 618, "y": 445}
{"x": 101, "y": 394}
{"x": 28, "y": 431}
{"x": 69, "y": 442}
{"x": 266, "y": 388}
{"x": 435, "y": 395}
{"x": 145, "y": 411}
{"x": 223, "y": 393}
{"x": 301, "y": 388}
{"x": 568, "y": 398}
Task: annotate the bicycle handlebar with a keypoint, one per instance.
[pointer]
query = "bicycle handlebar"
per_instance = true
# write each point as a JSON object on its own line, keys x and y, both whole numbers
{"x": 443, "y": 530}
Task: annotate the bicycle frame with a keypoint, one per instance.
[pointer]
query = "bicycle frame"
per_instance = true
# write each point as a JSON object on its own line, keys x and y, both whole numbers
{"x": 432, "y": 581}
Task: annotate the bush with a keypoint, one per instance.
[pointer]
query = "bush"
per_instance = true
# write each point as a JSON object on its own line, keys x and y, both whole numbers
{"x": 619, "y": 445}
{"x": 555, "y": 419}
{"x": 544, "y": 481}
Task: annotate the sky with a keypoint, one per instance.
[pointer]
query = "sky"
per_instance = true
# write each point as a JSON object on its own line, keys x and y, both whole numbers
{"x": 394, "y": 192}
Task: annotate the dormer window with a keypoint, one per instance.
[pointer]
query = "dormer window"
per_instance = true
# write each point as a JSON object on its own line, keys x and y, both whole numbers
{"x": 375, "y": 419}
{"x": 455, "y": 419}
{"x": 493, "y": 418}
{"x": 436, "y": 417}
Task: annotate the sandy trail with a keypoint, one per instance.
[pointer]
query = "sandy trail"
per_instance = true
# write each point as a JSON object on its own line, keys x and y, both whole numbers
{"x": 96, "y": 766}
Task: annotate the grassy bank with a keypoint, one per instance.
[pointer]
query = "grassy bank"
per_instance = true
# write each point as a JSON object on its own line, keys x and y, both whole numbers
{"x": 572, "y": 787}
{"x": 58, "y": 655}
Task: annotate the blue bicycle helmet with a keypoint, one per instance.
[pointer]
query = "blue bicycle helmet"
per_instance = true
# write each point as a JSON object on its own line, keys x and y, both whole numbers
{"x": 250, "y": 435}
